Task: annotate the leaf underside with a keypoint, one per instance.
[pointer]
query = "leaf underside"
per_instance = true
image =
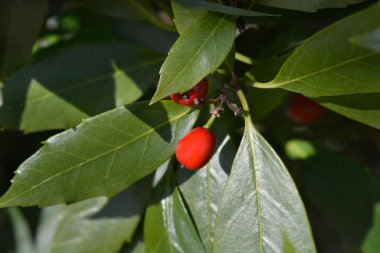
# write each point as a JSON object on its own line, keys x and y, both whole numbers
{"x": 260, "y": 208}
{"x": 202, "y": 190}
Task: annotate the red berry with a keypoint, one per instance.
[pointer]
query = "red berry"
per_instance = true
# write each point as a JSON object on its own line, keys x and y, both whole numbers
{"x": 195, "y": 149}
{"x": 195, "y": 96}
{"x": 304, "y": 110}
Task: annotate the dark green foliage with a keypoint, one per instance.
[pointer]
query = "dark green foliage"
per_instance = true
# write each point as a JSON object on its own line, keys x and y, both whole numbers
{"x": 106, "y": 179}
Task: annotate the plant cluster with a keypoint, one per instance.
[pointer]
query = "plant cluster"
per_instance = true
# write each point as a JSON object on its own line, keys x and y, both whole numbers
{"x": 190, "y": 126}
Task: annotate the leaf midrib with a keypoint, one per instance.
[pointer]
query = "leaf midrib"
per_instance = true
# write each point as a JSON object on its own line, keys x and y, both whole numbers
{"x": 249, "y": 127}
{"x": 3, "y": 204}
{"x": 274, "y": 84}
{"x": 194, "y": 55}
{"x": 81, "y": 84}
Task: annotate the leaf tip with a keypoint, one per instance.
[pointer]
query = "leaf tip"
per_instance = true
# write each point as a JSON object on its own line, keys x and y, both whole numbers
{"x": 153, "y": 100}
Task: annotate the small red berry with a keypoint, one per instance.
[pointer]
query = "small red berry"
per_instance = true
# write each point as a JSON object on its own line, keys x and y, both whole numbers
{"x": 304, "y": 110}
{"x": 195, "y": 96}
{"x": 195, "y": 149}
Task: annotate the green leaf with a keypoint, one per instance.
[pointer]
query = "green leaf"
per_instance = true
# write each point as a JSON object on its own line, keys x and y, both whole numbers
{"x": 20, "y": 22}
{"x": 47, "y": 226}
{"x": 260, "y": 206}
{"x": 102, "y": 156}
{"x": 371, "y": 243}
{"x": 369, "y": 40}
{"x": 168, "y": 226}
{"x": 199, "y": 51}
{"x": 80, "y": 82}
{"x": 364, "y": 107}
{"x": 327, "y": 64}
{"x": 186, "y": 17}
{"x": 22, "y": 233}
{"x": 203, "y": 189}
{"x": 75, "y": 233}
{"x": 338, "y": 74}
{"x": 129, "y": 205}
{"x": 308, "y": 6}
{"x": 288, "y": 247}
{"x": 137, "y": 246}
{"x": 125, "y": 9}
{"x": 343, "y": 192}
{"x": 224, "y": 9}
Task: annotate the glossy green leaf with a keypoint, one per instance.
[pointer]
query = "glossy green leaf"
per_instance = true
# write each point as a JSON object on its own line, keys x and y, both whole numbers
{"x": 185, "y": 17}
{"x": 340, "y": 75}
{"x": 202, "y": 190}
{"x": 260, "y": 206}
{"x": 308, "y": 6}
{"x": 369, "y": 40}
{"x": 21, "y": 231}
{"x": 20, "y": 22}
{"x": 80, "y": 82}
{"x": 214, "y": 7}
{"x": 125, "y": 9}
{"x": 75, "y": 233}
{"x": 371, "y": 243}
{"x": 102, "y": 156}
{"x": 343, "y": 191}
{"x": 327, "y": 64}
{"x": 168, "y": 226}
{"x": 199, "y": 51}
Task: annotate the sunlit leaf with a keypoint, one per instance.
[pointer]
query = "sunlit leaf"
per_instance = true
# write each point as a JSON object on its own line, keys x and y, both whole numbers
{"x": 199, "y": 51}
{"x": 340, "y": 75}
{"x": 260, "y": 205}
{"x": 327, "y": 64}
{"x": 100, "y": 157}
{"x": 77, "y": 83}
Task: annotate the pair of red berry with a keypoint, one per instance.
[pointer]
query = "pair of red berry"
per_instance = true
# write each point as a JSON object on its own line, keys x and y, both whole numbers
{"x": 196, "y": 148}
